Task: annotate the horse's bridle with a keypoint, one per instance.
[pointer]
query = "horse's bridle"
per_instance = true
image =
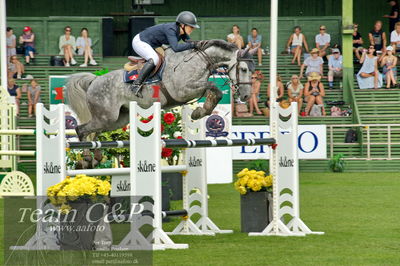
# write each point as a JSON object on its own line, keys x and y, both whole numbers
{"x": 211, "y": 66}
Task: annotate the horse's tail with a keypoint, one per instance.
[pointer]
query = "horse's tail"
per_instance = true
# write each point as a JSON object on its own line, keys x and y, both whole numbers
{"x": 77, "y": 86}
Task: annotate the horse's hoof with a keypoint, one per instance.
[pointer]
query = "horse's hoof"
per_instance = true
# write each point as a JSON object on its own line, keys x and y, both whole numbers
{"x": 197, "y": 114}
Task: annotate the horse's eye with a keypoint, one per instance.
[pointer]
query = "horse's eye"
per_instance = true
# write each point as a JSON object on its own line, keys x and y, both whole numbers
{"x": 243, "y": 69}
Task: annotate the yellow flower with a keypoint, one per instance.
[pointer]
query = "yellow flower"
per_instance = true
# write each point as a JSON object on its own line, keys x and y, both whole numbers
{"x": 184, "y": 173}
{"x": 242, "y": 190}
{"x": 65, "y": 209}
{"x": 242, "y": 173}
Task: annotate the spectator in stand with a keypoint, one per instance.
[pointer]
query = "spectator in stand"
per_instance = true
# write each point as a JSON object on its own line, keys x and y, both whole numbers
{"x": 11, "y": 41}
{"x": 254, "y": 41}
{"x": 314, "y": 92}
{"x": 369, "y": 77}
{"x": 314, "y": 63}
{"x": 395, "y": 38}
{"x": 389, "y": 62}
{"x": 235, "y": 37}
{"x": 15, "y": 68}
{"x": 322, "y": 41}
{"x": 14, "y": 91}
{"x": 295, "y": 91}
{"x": 357, "y": 42}
{"x": 295, "y": 44}
{"x": 377, "y": 38}
{"x": 67, "y": 47}
{"x": 84, "y": 46}
{"x": 33, "y": 97}
{"x": 279, "y": 92}
{"x": 335, "y": 64}
{"x": 394, "y": 14}
{"x": 28, "y": 39}
{"x": 256, "y": 79}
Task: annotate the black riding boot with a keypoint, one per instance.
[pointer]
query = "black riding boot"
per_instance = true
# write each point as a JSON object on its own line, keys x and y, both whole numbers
{"x": 143, "y": 75}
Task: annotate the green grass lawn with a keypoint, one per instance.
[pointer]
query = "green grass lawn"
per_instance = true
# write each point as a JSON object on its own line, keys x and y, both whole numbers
{"x": 359, "y": 213}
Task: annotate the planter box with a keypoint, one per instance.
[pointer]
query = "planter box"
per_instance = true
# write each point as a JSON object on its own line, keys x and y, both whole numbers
{"x": 175, "y": 182}
{"x": 255, "y": 211}
{"x": 71, "y": 238}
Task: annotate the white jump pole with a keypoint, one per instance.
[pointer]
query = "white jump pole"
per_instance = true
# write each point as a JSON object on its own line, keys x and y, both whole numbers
{"x": 285, "y": 178}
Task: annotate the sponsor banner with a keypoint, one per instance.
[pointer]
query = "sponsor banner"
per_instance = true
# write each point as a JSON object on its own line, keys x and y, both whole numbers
{"x": 57, "y": 89}
{"x": 311, "y": 142}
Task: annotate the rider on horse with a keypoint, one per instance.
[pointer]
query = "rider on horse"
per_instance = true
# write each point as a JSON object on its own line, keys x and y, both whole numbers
{"x": 146, "y": 41}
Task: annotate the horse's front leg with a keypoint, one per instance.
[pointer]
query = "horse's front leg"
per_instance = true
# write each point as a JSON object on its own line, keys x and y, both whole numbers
{"x": 214, "y": 95}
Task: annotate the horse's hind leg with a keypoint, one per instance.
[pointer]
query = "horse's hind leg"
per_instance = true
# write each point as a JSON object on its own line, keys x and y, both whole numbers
{"x": 214, "y": 95}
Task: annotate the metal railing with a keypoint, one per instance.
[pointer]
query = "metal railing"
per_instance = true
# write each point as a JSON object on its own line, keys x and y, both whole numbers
{"x": 384, "y": 140}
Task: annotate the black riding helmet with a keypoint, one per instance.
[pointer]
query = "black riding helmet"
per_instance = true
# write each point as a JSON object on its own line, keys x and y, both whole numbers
{"x": 187, "y": 18}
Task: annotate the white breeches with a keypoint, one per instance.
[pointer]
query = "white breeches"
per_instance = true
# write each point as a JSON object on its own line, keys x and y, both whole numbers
{"x": 144, "y": 49}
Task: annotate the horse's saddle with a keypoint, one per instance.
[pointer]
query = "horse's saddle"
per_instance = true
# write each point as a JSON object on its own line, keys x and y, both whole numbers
{"x": 135, "y": 64}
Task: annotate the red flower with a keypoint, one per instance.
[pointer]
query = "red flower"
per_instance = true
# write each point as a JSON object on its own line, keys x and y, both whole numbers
{"x": 169, "y": 118}
{"x": 125, "y": 128}
{"x": 166, "y": 152}
{"x": 162, "y": 128}
{"x": 179, "y": 137}
{"x": 144, "y": 120}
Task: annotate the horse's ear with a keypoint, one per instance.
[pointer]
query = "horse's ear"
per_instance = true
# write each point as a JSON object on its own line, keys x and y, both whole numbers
{"x": 243, "y": 52}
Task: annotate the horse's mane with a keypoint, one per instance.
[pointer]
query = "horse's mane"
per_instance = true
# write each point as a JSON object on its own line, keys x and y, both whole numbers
{"x": 220, "y": 44}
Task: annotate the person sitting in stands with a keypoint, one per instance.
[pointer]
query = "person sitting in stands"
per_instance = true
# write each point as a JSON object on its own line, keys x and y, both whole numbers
{"x": 14, "y": 91}
{"x": 67, "y": 47}
{"x": 389, "y": 62}
{"x": 84, "y": 46}
{"x": 279, "y": 92}
{"x": 28, "y": 39}
{"x": 369, "y": 77}
{"x": 377, "y": 38}
{"x": 11, "y": 43}
{"x": 256, "y": 79}
{"x": 295, "y": 44}
{"x": 254, "y": 41}
{"x": 33, "y": 97}
{"x": 322, "y": 41}
{"x": 314, "y": 92}
{"x": 15, "y": 68}
{"x": 395, "y": 38}
{"x": 357, "y": 42}
{"x": 235, "y": 37}
{"x": 335, "y": 64}
{"x": 295, "y": 91}
{"x": 314, "y": 63}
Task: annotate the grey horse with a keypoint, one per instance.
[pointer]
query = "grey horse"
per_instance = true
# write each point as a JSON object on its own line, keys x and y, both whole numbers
{"x": 102, "y": 102}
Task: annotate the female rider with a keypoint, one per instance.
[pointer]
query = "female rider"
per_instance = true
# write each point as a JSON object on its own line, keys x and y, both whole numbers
{"x": 146, "y": 41}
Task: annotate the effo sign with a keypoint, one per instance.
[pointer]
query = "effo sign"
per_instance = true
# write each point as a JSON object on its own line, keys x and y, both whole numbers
{"x": 311, "y": 142}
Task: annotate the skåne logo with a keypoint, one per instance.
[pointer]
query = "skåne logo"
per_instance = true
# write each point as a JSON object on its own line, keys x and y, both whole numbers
{"x": 285, "y": 162}
{"x": 194, "y": 162}
{"x": 146, "y": 167}
{"x": 49, "y": 168}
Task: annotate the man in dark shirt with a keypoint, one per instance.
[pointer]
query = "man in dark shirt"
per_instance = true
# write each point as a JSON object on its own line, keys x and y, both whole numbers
{"x": 394, "y": 14}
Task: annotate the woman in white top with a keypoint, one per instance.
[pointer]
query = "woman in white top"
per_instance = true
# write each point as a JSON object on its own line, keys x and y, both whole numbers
{"x": 295, "y": 44}
{"x": 67, "y": 46}
{"x": 84, "y": 46}
{"x": 295, "y": 91}
{"x": 235, "y": 37}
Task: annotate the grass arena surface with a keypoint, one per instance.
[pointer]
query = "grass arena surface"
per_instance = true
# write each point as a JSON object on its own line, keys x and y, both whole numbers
{"x": 358, "y": 212}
